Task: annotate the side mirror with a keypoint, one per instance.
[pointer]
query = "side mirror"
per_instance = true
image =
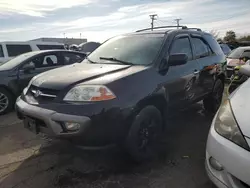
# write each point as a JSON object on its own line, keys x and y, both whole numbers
{"x": 245, "y": 70}
{"x": 177, "y": 59}
{"x": 28, "y": 67}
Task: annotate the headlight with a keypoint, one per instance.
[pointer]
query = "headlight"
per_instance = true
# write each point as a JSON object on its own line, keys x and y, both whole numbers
{"x": 30, "y": 82}
{"x": 89, "y": 93}
{"x": 226, "y": 126}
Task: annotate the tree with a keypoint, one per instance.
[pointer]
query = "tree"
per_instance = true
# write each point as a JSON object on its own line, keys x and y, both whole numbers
{"x": 244, "y": 38}
{"x": 215, "y": 34}
{"x": 230, "y": 37}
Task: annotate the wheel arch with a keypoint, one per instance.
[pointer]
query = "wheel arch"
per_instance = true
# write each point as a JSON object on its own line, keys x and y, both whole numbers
{"x": 158, "y": 99}
{"x": 8, "y": 89}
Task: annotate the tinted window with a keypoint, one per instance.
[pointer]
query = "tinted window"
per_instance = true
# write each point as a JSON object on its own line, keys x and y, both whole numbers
{"x": 49, "y": 47}
{"x": 201, "y": 48}
{"x": 1, "y": 51}
{"x": 70, "y": 58}
{"x": 17, "y": 60}
{"x": 213, "y": 44}
{"x": 236, "y": 53}
{"x": 136, "y": 49}
{"x": 182, "y": 45}
{"x": 17, "y": 49}
{"x": 44, "y": 61}
{"x": 225, "y": 49}
{"x": 246, "y": 54}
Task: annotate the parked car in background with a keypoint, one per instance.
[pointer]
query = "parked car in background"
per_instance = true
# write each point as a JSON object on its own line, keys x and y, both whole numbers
{"x": 225, "y": 48}
{"x": 121, "y": 93}
{"x": 228, "y": 144}
{"x": 9, "y": 50}
{"x": 88, "y": 47}
{"x": 16, "y": 73}
{"x": 237, "y": 57}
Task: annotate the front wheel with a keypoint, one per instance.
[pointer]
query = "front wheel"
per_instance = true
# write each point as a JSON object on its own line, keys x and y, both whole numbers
{"x": 213, "y": 101}
{"x": 142, "y": 140}
{"x": 6, "y": 101}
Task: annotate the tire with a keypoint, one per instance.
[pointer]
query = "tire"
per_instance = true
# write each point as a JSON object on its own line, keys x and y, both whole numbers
{"x": 142, "y": 139}
{"x": 6, "y": 101}
{"x": 213, "y": 101}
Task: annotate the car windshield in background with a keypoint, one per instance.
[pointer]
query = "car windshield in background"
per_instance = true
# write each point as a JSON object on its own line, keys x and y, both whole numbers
{"x": 235, "y": 54}
{"x": 136, "y": 50}
{"x": 16, "y": 61}
{"x": 225, "y": 48}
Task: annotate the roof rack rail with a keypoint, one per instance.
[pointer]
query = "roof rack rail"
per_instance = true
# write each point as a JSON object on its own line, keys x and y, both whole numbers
{"x": 162, "y": 27}
{"x": 197, "y": 29}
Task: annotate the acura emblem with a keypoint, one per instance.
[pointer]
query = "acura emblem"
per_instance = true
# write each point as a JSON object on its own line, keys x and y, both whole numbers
{"x": 37, "y": 93}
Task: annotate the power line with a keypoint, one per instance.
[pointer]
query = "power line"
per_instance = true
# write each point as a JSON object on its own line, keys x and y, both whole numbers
{"x": 153, "y": 17}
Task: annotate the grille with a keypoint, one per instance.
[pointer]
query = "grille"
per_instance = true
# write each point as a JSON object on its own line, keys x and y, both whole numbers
{"x": 230, "y": 71}
{"x": 41, "y": 95}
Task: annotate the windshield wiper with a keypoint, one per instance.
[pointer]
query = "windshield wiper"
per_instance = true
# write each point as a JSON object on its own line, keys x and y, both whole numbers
{"x": 90, "y": 60}
{"x": 117, "y": 60}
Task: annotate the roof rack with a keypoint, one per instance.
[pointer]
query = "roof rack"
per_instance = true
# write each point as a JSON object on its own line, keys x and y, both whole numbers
{"x": 162, "y": 27}
{"x": 197, "y": 29}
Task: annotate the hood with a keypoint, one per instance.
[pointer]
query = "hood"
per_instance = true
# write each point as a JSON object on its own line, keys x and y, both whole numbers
{"x": 240, "y": 102}
{"x": 62, "y": 77}
{"x": 235, "y": 62}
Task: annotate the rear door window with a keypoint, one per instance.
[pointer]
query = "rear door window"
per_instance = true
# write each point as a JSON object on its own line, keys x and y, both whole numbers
{"x": 213, "y": 44}
{"x": 182, "y": 45}
{"x": 1, "y": 51}
{"x": 70, "y": 58}
{"x": 50, "y": 61}
{"x": 44, "y": 61}
{"x": 17, "y": 49}
{"x": 201, "y": 48}
{"x": 49, "y": 47}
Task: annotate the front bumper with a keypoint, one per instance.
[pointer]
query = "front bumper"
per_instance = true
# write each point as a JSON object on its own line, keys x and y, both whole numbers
{"x": 95, "y": 131}
{"x": 234, "y": 159}
{"x": 50, "y": 121}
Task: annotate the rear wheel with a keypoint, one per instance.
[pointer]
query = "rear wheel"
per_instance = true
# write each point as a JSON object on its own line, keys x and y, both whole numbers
{"x": 6, "y": 101}
{"x": 213, "y": 101}
{"x": 142, "y": 140}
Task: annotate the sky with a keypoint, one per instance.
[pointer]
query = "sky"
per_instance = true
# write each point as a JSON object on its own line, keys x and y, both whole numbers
{"x": 98, "y": 20}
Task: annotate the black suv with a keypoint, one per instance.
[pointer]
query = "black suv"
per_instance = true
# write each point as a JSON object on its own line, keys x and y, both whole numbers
{"x": 122, "y": 91}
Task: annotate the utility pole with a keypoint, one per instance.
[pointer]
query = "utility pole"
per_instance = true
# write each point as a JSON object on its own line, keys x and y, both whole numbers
{"x": 153, "y": 17}
{"x": 178, "y": 22}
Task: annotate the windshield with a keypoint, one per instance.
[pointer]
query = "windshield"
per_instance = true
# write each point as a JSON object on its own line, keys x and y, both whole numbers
{"x": 17, "y": 60}
{"x": 236, "y": 53}
{"x": 225, "y": 49}
{"x": 136, "y": 49}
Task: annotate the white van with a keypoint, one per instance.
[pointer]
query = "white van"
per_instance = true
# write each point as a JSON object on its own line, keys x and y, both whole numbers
{"x": 9, "y": 50}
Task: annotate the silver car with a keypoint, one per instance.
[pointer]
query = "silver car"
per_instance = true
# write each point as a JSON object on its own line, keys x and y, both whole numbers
{"x": 228, "y": 144}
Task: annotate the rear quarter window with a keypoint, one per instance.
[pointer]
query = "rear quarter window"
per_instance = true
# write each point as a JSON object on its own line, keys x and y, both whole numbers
{"x": 213, "y": 44}
{"x": 17, "y": 49}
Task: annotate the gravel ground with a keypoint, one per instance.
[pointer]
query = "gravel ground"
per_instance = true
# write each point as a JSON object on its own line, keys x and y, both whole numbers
{"x": 27, "y": 160}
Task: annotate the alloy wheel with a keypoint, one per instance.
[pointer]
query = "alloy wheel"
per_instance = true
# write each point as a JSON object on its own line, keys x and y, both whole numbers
{"x": 4, "y": 102}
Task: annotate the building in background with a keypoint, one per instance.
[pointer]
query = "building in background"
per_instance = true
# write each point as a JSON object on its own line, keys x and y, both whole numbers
{"x": 68, "y": 41}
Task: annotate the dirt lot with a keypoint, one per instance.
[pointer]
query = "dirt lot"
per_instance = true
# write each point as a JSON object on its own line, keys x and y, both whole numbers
{"x": 27, "y": 160}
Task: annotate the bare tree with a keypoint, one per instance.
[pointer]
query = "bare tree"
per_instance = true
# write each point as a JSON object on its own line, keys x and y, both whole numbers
{"x": 215, "y": 34}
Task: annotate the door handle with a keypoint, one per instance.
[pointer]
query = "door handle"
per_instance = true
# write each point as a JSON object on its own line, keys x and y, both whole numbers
{"x": 196, "y": 72}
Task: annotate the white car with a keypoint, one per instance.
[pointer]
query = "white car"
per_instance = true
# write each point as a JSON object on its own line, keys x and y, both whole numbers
{"x": 9, "y": 50}
{"x": 228, "y": 144}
